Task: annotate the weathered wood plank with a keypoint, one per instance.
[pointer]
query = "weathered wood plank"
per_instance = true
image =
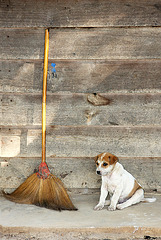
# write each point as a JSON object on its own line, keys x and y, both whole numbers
{"x": 82, "y": 141}
{"x": 82, "y": 13}
{"x": 93, "y": 43}
{"x": 74, "y": 109}
{"x": 87, "y": 76}
{"x": 21, "y": 75}
{"x": 21, "y": 43}
{"x": 79, "y": 172}
{"x": 105, "y": 43}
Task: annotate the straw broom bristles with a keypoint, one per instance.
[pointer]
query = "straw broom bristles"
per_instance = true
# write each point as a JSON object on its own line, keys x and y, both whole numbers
{"x": 45, "y": 191}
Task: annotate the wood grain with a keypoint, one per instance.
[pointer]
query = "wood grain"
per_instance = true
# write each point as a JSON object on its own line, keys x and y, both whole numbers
{"x": 93, "y": 43}
{"x": 75, "y": 109}
{"x": 79, "y": 172}
{"x": 22, "y": 43}
{"x": 105, "y": 43}
{"x": 82, "y": 13}
{"x": 82, "y": 141}
{"x": 88, "y": 76}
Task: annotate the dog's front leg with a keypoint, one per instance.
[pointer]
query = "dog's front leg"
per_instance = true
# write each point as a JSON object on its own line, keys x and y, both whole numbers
{"x": 103, "y": 196}
{"x": 114, "y": 199}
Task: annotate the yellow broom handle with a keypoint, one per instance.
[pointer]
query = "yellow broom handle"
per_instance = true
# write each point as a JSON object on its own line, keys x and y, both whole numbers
{"x": 46, "y": 51}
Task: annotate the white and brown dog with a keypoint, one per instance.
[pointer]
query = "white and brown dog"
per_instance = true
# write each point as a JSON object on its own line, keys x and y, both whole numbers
{"x": 122, "y": 187}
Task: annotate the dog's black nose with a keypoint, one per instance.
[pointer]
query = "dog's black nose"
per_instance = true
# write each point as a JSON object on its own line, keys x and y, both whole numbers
{"x": 98, "y": 172}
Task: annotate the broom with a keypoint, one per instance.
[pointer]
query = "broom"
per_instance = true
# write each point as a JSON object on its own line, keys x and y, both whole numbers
{"x": 43, "y": 188}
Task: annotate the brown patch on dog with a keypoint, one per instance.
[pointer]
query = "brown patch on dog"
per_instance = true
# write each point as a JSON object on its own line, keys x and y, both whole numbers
{"x": 135, "y": 188}
{"x": 110, "y": 158}
{"x": 95, "y": 159}
{"x": 106, "y": 158}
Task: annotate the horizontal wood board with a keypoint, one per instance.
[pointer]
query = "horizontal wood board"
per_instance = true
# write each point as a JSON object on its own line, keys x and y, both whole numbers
{"x": 79, "y": 172}
{"x": 106, "y": 43}
{"x": 89, "y": 43}
{"x": 78, "y": 76}
{"x": 74, "y": 109}
{"x": 82, "y": 141}
{"x": 82, "y": 13}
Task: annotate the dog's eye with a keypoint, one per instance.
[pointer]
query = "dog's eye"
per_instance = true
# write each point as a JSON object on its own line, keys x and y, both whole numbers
{"x": 105, "y": 164}
{"x": 97, "y": 163}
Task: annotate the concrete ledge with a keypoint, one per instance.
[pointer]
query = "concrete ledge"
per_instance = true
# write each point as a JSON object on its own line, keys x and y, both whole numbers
{"x": 28, "y": 221}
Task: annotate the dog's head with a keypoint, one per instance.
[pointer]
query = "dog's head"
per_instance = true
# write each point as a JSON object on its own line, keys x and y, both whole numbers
{"x": 105, "y": 163}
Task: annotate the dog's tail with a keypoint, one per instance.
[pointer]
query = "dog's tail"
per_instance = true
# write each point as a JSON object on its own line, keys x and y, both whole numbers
{"x": 148, "y": 200}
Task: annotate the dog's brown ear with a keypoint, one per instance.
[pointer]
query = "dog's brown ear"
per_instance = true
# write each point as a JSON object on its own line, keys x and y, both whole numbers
{"x": 113, "y": 159}
{"x": 116, "y": 159}
{"x": 96, "y": 158}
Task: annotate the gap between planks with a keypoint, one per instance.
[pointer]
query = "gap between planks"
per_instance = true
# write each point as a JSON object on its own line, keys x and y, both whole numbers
{"x": 80, "y": 27}
{"x": 80, "y": 158}
{"x": 82, "y": 60}
{"x": 37, "y": 127}
{"x": 118, "y": 93}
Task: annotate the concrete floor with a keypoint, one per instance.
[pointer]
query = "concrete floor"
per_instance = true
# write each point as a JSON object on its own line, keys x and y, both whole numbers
{"x": 143, "y": 219}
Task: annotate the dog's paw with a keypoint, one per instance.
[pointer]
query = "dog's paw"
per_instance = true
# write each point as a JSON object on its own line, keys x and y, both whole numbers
{"x": 120, "y": 206}
{"x": 98, "y": 207}
{"x": 112, "y": 208}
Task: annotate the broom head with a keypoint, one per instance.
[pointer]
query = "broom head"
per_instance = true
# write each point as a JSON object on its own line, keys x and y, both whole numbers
{"x": 42, "y": 189}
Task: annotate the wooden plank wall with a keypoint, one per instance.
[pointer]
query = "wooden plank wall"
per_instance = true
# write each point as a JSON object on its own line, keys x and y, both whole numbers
{"x": 106, "y": 95}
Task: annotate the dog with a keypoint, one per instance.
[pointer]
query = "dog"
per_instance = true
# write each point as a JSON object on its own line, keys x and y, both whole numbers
{"x": 122, "y": 187}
